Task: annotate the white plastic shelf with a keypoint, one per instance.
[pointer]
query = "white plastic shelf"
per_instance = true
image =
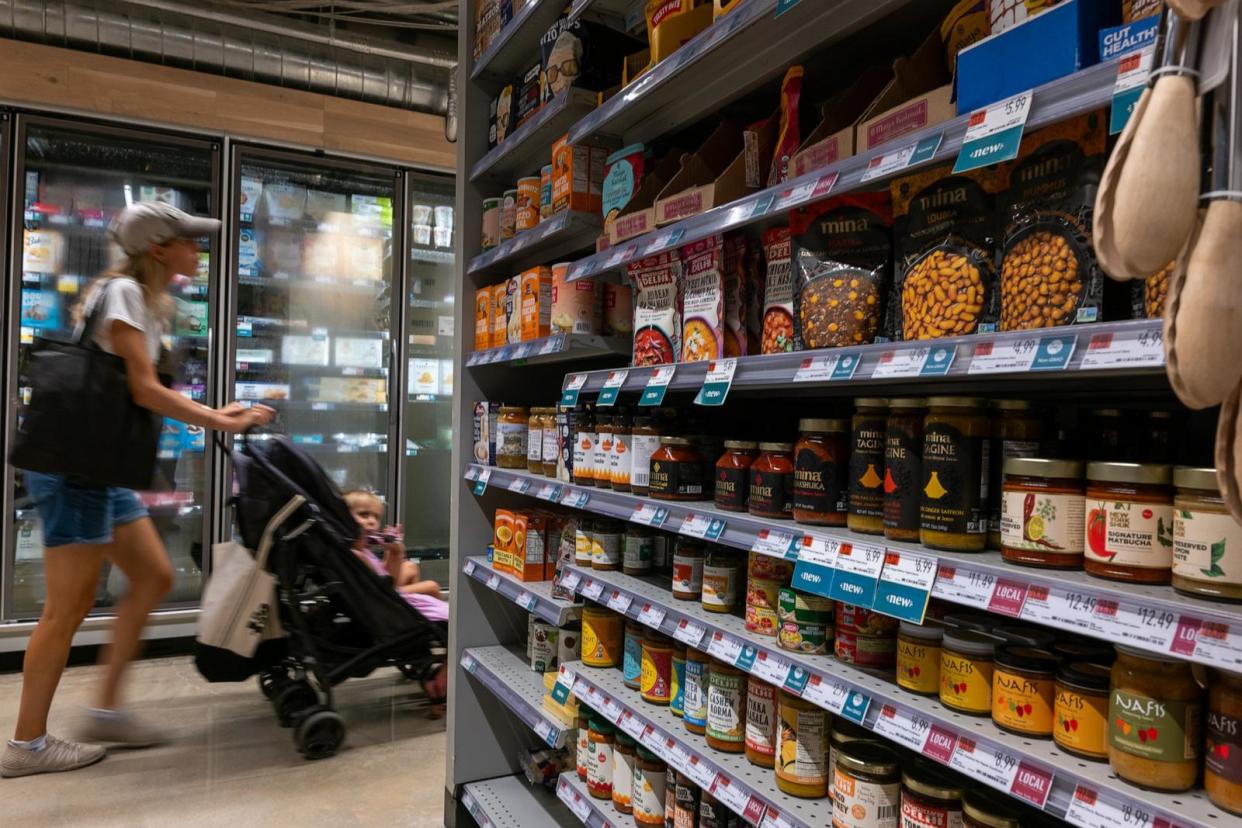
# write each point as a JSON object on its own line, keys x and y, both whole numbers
{"x": 746, "y": 789}
{"x": 529, "y": 147}
{"x": 564, "y": 233}
{"x": 509, "y": 678}
{"x": 533, "y": 596}
{"x": 1152, "y": 618}
{"x": 512, "y": 802}
{"x": 592, "y": 812}
{"x": 1034, "y": 771}
{"x": 554, "y": 348}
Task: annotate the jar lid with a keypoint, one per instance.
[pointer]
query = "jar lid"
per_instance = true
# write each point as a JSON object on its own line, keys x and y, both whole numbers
{"x": 675, "y": 441}
{"x": 908, "y": 402}
{"x": 1022, "y": 657}
{"x": 1029, "y": 636}
{"x": 928, "y": 631}
{"x": 822, "y": 424}
{"x": 624, "y": 739}
{"x": 1084, "y": 649}
{"x": 970, "y": 642}
{"x": 1085, "y": 675}
{"x": 1134, "y": 652}
{"x": 978, "y": 621}
{"x": 1042, "y": 467}
{"x": 1012, "y": 405}
{"x": 843, "y": 730}
{"x": 868, "y": 757}
{"x": 870, "y": 402}
{"x": 955, "y": 402}
{"x": 505, "y": 408}
{"x": 989, "y": 810}
{"x": 1187, "y": 477}
{"x": 493, "y": 201}
{"x": 743, "y": 445}
{"x": 927, "y": 780}
{"x": 647, "y": 756}
{"x": 601, "y": 725}
{"x": 1149, "y": 473}
{"x": 783, "y": 447}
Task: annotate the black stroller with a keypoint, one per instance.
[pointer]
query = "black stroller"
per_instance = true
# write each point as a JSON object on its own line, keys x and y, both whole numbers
{"x": 340, "y": 621}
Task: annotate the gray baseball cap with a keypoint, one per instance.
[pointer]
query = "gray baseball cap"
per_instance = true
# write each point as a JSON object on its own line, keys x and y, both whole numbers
{"x": 145, "y": 223}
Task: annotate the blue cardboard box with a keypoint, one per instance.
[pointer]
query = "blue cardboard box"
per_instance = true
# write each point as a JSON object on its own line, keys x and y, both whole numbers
{"x": 1050, "y": 45}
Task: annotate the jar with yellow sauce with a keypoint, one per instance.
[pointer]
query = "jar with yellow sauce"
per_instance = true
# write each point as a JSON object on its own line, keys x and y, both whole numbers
{"x": 918, "y": 656}
{"x": 802, "y": 748}
{"x": 866, "y": 485}
{"x": 1154, "y": 711}
{"x": 967, "y": 661}
{"x": 1080, "y": 711}
{"x": 954, "y": 499}
{"x": 602, "y": 637}
{"x": 1207, "y": 541}
{"x": 1023, "y": 690}
{"x": 657, "y": 668}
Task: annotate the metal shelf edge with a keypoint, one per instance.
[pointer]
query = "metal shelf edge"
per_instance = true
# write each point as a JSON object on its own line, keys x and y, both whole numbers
{"x": 552, "y": 610}
{"x": 476, "y": 662}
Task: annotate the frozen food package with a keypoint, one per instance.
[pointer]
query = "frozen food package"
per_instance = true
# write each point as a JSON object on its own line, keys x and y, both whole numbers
{"x": 842, "y": 252}
{"x": 282, "y": 256}
{"x": 778, "y": 294}
{"x": 284, "y": 201}
{"x": 43, "y": 251}
{"x": 192, "y": 318}
{"x": 358, "y": 352}
{"x": 366, "y": 258}
{"x": 250, "y": 191}
{"x": 248, "y": 243}
{"x": 262, "y": 391}
{"x": 424, "y": 376}
{"x": 370, "y": 210}
{"x": 40, "y": 309}
{"x": 657, "y": 308}
{"x": 322, "y": 205}
{"x": 321, "y": 255}
{"x": 702, "y": 320}
{"x": 305, "y": 350}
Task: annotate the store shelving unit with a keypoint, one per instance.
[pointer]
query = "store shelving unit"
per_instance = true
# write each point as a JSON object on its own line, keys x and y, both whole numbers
{"x": 593, "y": 813}
{"x": 508, "y": 676}
{"x": 510, "y": 802}
{"x": 743, "y": 51}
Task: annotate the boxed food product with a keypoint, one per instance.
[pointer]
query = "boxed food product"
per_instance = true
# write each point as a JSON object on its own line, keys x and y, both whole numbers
{"x": 639, "y": 215}
{"x": 778, "y": 294}
{"x": 576, "y": 306}
{"x": 842, "y": 259}
{"x": 502, "y": 116}
{"x": 1040, "y": 49}
{"x": 485, "y": 414}
{"x": 657, "y": 309}
{"x": 192, "y": 318}
{"x": 723, "y": 7}
{"x": 529, "y": 97}
{"x": 1049, "y": 272}
{"x": 500, "y": 319}
{"x": 249, "y": 241}
{"x": 833, "y": 139}
{"x": 529, "y": 550}
{"x": 43, "y": 251}
{"x": 672, "y": 23}
{"x": 504, "y": 528}
{"x": 965, "y": 24}
{"x": 754, "y": 289}
{"x": 618, "y": 309}
{"x": 40, "y": 309}
{"x": 249, "y": 193}
{"x": 513, "y": 310}
{"x": 918, "y": 95}
{"x": 728, "y": 166}
{"x": 536, "y": 307}
{"x": 1128, "y": 37}
{"x": 582, "y": 54}
{"x": 577, "y": 176}
{"x": 483, "y": 319}
{"x": 284, "y": 201}
{"x": 623, "y": 175}
{"x": 735, "y": 296}
{"x": 946, "y": 263}
{"x": 702, "y": 327}
{"x": 487, "y": 25}
{"x": 347, "y": 390}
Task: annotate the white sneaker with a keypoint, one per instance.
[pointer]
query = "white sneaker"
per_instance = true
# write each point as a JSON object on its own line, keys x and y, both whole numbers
{"x": 56, "y": 756}
{"x": 121, "y": 729}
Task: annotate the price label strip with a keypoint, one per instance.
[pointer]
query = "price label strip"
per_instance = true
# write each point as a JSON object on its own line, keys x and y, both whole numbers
{"x": 1112, "y": 351}
{"x": 619, "y": 601}
{"x": 815, "y": 571}
{"x": 564, "y": 684}
{"x": 575, "y": 498}
{"x": 858, "y": 574}
{"x": 776, "y": 542}
{"x": 664, "y": 241}
{"x": 1132, "y": 72}
{"x": 770, "y": 667}
{"x": 592, "y": 590}
{"x": 836, "y": 697}
{"x": 705, "y": 527}
{"x": 549, "y": 491}
{"x": 470, "y": 567}
{"x": 547, "y": 732}
{"x": 1218, "y": 644}
{"x": 574, "y": 800}
{"x": 834, "y": 368}
{"x": 912, "y": 155}
{"x": 689, "y": 632}
{"x": 1148, "y": 627}
{"x": 964, "y": 586}
{"x": 520, "y": 485}
{"x": 1091, "y": 808}
{"x": 993, "y": 134}
{"x": 480, "y": 482}
{"x": 552, "y": 345}
{"x": 724, "y": 647}
{"x": 1028, "y": 354}
{"x": 716, "y": 384}
{"x": 905, "y": 585}
{"x": 652, "y": 616}
{"x": 573, "y": 388}
{"x": 612, "y": 388}
{"x": 649, "y": 515}
{"x": 932, "y": 361}
{"x": 903, "y": 726}
{"x": 810, "y": 191}
{"x": 657, "y": 386}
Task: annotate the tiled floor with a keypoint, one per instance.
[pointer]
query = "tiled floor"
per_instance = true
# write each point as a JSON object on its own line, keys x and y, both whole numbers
{"x": 233, "y": 765}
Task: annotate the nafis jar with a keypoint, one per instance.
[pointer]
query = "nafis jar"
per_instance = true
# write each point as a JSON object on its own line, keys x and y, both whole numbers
{"x": 1080, "y": 713}
{"x": 1223, "y": 773}
{"x": 1154, "y": 710}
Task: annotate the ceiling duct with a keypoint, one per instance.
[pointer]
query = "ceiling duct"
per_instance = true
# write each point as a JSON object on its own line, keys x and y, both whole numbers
{"x": 245, "y": 46}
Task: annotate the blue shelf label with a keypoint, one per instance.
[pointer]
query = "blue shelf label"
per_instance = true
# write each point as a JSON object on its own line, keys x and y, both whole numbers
{"x": 902, "y": 601}
{"x": 851, "y": 588}
{"x": 939, "y": 361}
{"x": 845, "y": 367}
{"x": 1054, "y": 352}
{"x": 813, "y": 578}
{"x": 746, "y": 658}
{"x": 796, "y": 681}
{"x": 855, "y": 707}
{"x": 783, "y": 6}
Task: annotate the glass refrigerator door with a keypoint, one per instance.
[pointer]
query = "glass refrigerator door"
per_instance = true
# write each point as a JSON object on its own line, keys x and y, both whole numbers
{"x": 314, "y": 306}
{"x": 73, "y": 178}
{"x": 428, "y": 418}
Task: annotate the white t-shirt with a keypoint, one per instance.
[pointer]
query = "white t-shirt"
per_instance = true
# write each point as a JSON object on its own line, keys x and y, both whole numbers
{"x": 123, "y": 300}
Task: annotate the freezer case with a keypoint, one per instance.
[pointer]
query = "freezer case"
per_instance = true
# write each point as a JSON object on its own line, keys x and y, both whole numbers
{"x": 312, "y": 265}
{"x": 71, "y": 179}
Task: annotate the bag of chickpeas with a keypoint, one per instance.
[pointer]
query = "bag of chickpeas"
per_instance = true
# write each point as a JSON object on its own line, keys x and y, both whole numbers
{"x": 842, "y": 252}
{"x": 1147, "y": 297}
{"x": 946, "y": 254}
{"x": 1049, "y": 273}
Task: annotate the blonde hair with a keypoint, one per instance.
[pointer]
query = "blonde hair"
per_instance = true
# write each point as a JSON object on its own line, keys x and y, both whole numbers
{"x": 355, "y": 498}
{"x": 143, "y": 269}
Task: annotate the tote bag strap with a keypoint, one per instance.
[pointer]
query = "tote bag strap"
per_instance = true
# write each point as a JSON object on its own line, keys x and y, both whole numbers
{"x": 85, "y": 333}
{"x": 267, "y": 539}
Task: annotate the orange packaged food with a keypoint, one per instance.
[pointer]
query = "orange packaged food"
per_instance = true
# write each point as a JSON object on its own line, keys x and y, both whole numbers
{"x": 503, "y": 531}
{"x": 499, "y": 327}
{"x": 577, "y": 176}
{"x": 483, "y": 318}
{"x": 536, "y": 303}
{"x": 530, "y": 535}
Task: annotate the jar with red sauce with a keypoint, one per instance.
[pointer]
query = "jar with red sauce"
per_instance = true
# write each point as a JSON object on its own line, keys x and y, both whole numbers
{"x": 771, "y": 481}
{"x": 821, "y": 472}
{"x": 733, "y": 475}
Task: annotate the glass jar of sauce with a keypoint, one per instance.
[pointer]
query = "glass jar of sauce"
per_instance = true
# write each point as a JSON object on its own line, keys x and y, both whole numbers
{"x": 1016, "y": 430}
{"x": 623, "y": 753}
{"x": 601, "y": 741}
{"x": 866, "y": 488}
{"x": 733, "y": 475}
{"x": 930, "y": 798}
{"x": 802, "y": 767}
{"x": 511, "y": 434}
{"x": 918, "y": 656}
{"x": 645, "y": 435}
{"x": 657, "y": 668}
{"x": 1154, "y": 733}
{"x": 603, "y": 448}
{"x": 903, "y": 464}
{"x": 1207, "y": 541}
{"x": 1080, "y": 712}
{"x": 967, "y": 661}
{"x": 866, "y": 786}
{"x": 582, "y": 756}
{"x": 1105, "y": 439}
{"x": 550, "y": 450}
{"x": 534, "y": 441}
{"x": 1042, "y": 509}
{"x": 1129, "y": 522}
{"x": 648, "y": 790}
{"x": 726, "y": 708}
{"x": 821, "y": 472}
{"x": 1222, "y": 776}
{"x": 584, "y": 445}
{"x": 771, "y": 481}
{"x": 761, "y": 740}
{"x": 638, "y": 551}
{"x": 620, "y": 459}
{"x": 722, "y": 573}
{"x": 688, "y": 561}
{"x": 1023, "y": 690}
{"x": 694, "y": 696}
{"x": 984, "y": 809}
{"x": 954, "y": 492}
{"x": 676, "y": 471}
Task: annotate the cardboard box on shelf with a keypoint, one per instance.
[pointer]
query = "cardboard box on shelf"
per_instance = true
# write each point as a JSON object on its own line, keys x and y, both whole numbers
{"x": 529, "y": 550}
{"x": 513, "y": 310}
{"x": 833, "y": 139}
{"x": 504, "y": 530}
{"x": 918, "y": 96}
{"x": 922, "y": 111}
{"x": 536, "y": 303}
{"x": 639, "y": 216}
{"x": 730, "y": 165}
{"x": 500, "y": 321}
{"x": 1055, "y": 43}
{"x": 577, "y": 176}
{"x": 529, "y": 99}
{"x": 674, "y": 31}
{"x": 483, "y": 319}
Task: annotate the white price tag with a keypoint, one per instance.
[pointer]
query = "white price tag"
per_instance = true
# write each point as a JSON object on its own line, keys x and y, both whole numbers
{"x": 552, "y": 345}
{"x": 962, "y": 586}
{"x": 548, "y": 491}
{"x": 577, "y": 382}
{"x": 631, "y": 724}
{"x": 770, "y": 667}
{"x": 689, "y": 632}
{"x": 618, "y": 601}
{"x": 996, "y": 768}
{"x": 480, "y": 482}
{"x": 909, "y": 569}
{"x": 934, "y": 360}
{"x": 650, "y": 515}
{"x": 827, "y": 368}
{"x": 1133, "y": 69}
{"x": 573, "y": 799}
{"x": 1217, "y": 643}
{"x": 651, "y": 615}
{"x": 717, "y": 382}
{"x": 702, "y": 526}
{"x": 819, "y": 550}
{"x": 493, "y": 581}
{"x": 592, "y": 590}
{"x": 565, "y": 677}
{"x": 998, "y": 117}
{"x": 611, "y": 708}
{"x": 546, "y": 732}
{"x": 619, "y": 256}
{"x": 698, "y": 771}
{"x": 903, "y": 726}
{"x": 1009, "y": 356}
{"x": 888, "y": 163}
{"x": 571, "y": 580}
{"x": 730, "y": 793}
{"x": 470, "y": 567}
{"x": 615, "y": 379}
{"x": 773, "y": 818}
{"x": 1124, "y": 622}
{"x": 663, "y": 242}
{"x": 520, "y": 485}
{"x": 724, "y": 647}
{"x": 526, "y": 601}
{"x": 776, "y": 542}
{"x": 1090, "y": 808}
{"x": 827, "y": 693}
{"x": 1108, "y": 350}
{"x": 575, "y": 498}
{"x": 472, "y": 473}
{"x": 861, "y": 559}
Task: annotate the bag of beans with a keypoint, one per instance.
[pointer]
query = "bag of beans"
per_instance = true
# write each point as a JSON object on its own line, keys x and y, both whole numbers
{"x": 703, "y": 300}
{"x": 842, "y": 252}
{"x": 778, "y": 301}
{"x": 946, "y": 265}
{"x": 657, "y": 308}
{"x": 1049, "y": 273}
{"x": 1147, "y": 297}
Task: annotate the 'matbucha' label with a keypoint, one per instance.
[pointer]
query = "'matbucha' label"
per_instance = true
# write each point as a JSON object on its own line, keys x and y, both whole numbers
{"x": 954, "y": 496}
{"x": 770, "y": 492}
{"x": 1159, "y": 729}
{"x": 820, "y": 483}
{"x": 903, "y": 445}
{"x": 867, "y": 467}
{"x": 732, "y": 488}
{"x": 1224, "y": 747}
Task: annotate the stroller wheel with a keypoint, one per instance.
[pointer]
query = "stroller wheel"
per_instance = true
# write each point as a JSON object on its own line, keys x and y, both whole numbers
{"x": 270, "y": 681}
{"x": 319, "y": 734}
{"x": 292, "y": 700}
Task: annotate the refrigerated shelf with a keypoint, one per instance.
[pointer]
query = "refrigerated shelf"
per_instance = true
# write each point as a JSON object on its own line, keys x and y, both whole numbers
{"x": 507, "y": 675}
{"x": 1153, "y": 618}
{"x": 1032, "y": 770}
{"x": 512, "y": 802}
{"x": 532, "y": 596}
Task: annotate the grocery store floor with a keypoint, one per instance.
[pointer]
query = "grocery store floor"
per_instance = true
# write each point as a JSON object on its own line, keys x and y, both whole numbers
{"x": 232, "y": 764}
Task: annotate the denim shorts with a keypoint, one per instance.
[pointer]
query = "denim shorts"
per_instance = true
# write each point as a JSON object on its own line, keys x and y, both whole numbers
{"x": 80, "y": 512}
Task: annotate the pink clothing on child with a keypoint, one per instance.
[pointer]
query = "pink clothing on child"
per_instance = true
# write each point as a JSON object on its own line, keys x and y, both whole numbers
{"x": 428, "y": 606}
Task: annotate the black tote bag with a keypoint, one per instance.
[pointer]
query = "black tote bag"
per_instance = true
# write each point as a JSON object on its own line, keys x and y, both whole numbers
{"x": 81, "y": 420}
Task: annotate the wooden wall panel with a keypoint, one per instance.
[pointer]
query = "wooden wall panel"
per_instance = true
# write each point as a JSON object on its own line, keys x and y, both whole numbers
{"x": 47, "y": 76}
